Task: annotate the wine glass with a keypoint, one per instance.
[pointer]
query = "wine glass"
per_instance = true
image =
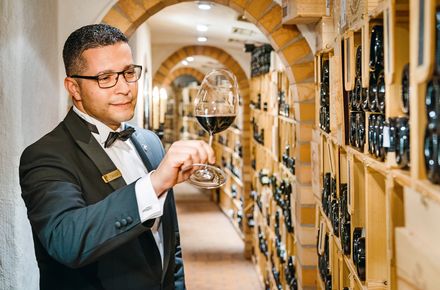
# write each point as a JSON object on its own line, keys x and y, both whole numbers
{"x": 215, "y": 108}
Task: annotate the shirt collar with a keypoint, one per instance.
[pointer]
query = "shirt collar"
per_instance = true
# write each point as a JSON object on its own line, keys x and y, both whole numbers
{"x": 103, "y": 129}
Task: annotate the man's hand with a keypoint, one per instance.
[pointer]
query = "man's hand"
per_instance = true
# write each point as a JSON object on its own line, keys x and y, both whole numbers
{"x": 176, "y": 165}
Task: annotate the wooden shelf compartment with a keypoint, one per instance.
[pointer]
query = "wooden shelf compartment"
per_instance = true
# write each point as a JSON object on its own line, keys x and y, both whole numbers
{"x": 236, "y": 183}
{"x": 287, "y": 138}
{"x": 395, "y": 219}
{"x": 377, "y": 261}
{"x": 317, "y": 171}
{"x": 352, "y": 40}
{"x": 317, "y": 86}
{"x": 335, "y": 263}
{"x": 396, "y": 54}
{"x": 234, "y": 177}
{"x": 343, "y": 170}
{"x": 418, "y": 265}
{"x": 235, "y": 131}
{"x": 267, "y": 157}
{"x": 326, "y": 232}
{"x": 234, "y": 154}
{"x": 345, "y": 276}
{"x": 357, "y": 194}
{"x": 401, "y": 177}
{"x": 335, "y": 89}
{"x": 325, "y": 34}
{"x": 336, "y": 92}
{"x": 355, "y": 282}
{"x": 421, "y": 217}
{"x": 303, "y": 12}
{"x": 225, "y": 202}
{"x": 422, "y": 58}
{"x": 358, "y": 11}
{"x": 232, "y": 139}
{"x": 287, "y": 120}
{"x": 366, "y": 40}
{"x": 320, "y": 60}
{"x": 268, "y": 90}
{"x": 422, "y": 36}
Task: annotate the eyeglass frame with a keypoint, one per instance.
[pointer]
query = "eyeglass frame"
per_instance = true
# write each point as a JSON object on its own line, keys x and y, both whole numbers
{"x": 96, "y": 78}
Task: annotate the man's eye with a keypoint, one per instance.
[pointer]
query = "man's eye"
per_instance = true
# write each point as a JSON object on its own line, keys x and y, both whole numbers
{"x": 130, "y": 72}
{"x": 104, "y": 78}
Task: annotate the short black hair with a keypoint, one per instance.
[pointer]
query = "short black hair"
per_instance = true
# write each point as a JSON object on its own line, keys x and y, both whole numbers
{"x": 86, "y": 37}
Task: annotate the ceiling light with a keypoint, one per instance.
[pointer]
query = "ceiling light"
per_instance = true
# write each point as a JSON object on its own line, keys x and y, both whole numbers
{"x": 184, "y": 62}
{"x": 190, "y": 59}
{"x": 202, "y": 39}
{"x": 202, "y": 27}
{"x": 204, "y": 6}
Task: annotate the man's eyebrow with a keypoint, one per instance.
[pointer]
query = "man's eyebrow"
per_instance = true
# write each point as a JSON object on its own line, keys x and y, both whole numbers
{"x": 112, "y": 71}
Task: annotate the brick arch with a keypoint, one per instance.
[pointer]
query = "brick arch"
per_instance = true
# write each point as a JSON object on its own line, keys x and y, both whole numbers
{"x": 289, "y": 44}
{"x": 287, "y": 41}
{"x": 181, "y": 72}
{"x": 214, "y": 52}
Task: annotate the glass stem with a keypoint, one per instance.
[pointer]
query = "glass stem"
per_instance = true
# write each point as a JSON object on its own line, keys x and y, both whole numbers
{"x": 211, "y": 136}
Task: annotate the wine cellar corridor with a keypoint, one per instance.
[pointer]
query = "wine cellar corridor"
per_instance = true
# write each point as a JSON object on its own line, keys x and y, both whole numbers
{"x": 331, "y": 155}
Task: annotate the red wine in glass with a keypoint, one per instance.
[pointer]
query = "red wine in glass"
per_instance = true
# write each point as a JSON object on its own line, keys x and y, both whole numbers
{"x": 215, "y": 108}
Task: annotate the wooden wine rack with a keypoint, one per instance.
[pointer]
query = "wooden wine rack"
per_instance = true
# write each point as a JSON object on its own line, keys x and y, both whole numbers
{"x": 393, "y": 207}
{"x": 283, "y": 208}
{"x": 187, "y": 125}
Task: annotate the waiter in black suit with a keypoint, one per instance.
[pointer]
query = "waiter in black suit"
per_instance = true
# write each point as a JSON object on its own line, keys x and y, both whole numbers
{"x": 99, "y": 192}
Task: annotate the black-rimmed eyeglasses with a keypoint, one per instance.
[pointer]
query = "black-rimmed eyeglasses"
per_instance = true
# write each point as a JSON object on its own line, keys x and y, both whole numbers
{"x": 110, "y": 79}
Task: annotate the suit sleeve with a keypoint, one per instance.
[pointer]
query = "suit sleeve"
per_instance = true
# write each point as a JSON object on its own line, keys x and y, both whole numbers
{"x": 72, "y": 232}
{"x": 179, "y": 273}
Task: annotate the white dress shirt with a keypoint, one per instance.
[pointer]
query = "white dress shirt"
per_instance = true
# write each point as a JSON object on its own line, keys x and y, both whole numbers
{"x": 126, "y": 158}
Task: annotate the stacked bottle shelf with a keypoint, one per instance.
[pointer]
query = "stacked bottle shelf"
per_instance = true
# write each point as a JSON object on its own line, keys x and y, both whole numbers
{"x": 375, "y": 146}
{"x": 283, "y": 205}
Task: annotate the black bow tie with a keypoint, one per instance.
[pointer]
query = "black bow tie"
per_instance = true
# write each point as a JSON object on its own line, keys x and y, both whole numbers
{"x": 112, "y": 136}
{"x": 123, "y": 136}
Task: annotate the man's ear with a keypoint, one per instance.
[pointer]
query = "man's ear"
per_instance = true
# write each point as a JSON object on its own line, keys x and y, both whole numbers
{"x": 73, "y": 88}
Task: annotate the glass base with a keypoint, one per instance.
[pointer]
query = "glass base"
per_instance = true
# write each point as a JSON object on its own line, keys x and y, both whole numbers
{"x": 208, "y": 177}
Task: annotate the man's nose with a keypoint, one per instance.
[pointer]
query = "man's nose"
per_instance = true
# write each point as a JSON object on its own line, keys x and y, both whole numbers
{"x": 122, "y": 85}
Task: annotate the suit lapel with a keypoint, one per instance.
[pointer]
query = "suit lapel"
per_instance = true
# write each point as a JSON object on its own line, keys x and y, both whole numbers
{"x": 145, "y": 150}
{"x": 91, "y": 148}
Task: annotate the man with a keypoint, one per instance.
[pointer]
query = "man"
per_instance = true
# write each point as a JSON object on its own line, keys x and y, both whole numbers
{"x": 98, "y": 192}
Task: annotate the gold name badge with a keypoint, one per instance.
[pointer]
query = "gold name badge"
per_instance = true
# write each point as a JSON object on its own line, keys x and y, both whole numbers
{"x": 111, "y": 176}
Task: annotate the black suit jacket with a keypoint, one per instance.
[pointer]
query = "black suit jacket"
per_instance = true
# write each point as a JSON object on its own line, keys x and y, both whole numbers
{"x": 88, "y": 233}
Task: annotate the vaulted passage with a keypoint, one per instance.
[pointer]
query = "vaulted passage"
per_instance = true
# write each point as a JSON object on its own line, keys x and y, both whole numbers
{"x": 331, "y": 157}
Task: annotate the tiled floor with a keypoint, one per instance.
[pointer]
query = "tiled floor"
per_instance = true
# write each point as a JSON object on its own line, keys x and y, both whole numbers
{"x": 212, "y": 249}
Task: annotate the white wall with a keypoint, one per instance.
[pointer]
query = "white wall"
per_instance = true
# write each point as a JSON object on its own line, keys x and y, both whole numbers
{"x": 141, "y": 47}
{"x": 32, "y": 102}
{"x": 28, "y": 98}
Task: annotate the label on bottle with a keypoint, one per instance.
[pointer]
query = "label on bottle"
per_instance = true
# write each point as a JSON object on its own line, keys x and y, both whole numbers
{"x": 386, "y": 137}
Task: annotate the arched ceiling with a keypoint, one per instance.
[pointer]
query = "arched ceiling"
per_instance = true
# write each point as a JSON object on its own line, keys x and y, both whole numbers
{"x": 287, "y": 41}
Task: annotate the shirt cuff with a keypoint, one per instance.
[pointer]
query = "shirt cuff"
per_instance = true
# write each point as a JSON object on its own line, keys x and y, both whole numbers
{"x": 149, "y": 205}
